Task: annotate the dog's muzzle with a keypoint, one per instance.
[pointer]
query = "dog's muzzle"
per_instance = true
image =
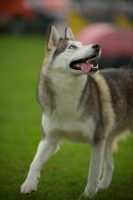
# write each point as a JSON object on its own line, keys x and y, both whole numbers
{"x": 89, "y": 63}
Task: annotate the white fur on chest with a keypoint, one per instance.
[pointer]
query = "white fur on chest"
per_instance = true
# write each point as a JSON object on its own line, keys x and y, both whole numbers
{"x": 65, "y": 121}
{"x": 72, "y": 130}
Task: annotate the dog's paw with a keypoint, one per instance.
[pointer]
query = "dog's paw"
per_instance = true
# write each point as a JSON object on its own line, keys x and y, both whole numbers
{"x": 89, "y": 193}
{"x": 84, "y": 196}
{"x": 30, "y": 184}
{"x": 28, "y": 187}
{"x": 102, "y": 186}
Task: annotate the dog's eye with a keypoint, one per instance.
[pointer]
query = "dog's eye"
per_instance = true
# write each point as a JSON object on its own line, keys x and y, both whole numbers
{"x": 72, "y": 47}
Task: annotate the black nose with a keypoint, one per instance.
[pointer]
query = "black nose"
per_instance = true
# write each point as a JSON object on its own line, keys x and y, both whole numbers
{"x": 96, "y": 46}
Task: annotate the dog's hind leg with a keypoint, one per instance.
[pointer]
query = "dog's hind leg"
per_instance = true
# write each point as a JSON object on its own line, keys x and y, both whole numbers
{"x": 45, "y": 149}
{"x": 95, "y": 169}
{"x": 108, "y": 163}
{"x": 108, "y": 157}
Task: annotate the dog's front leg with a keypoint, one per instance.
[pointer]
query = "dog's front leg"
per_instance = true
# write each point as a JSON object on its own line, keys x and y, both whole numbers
{"x": 108, "y": 163}
{"x": 45, "y": 149}
{"x": 95, "y": 169}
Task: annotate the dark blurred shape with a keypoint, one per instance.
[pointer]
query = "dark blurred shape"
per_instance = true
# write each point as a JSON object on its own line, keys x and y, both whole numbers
{"x": 27, "y": 16}
{"x": 116, "y": 43}
{"x": 14, "y": 14}
{"x": 105, "y": 10}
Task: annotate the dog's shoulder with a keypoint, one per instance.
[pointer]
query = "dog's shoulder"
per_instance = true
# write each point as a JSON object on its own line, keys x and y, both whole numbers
{"x": 119, "y": 81}
{"x": 120, "y": 84}
{"x": 116, "y": 75}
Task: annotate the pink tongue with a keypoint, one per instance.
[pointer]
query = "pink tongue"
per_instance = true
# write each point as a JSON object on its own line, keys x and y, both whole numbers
{"x": 85, "y": 67}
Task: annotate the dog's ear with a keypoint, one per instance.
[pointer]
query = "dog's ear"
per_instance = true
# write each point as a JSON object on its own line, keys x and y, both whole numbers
{"x": 69, "y": 33}
{"x": 53, "y": 38}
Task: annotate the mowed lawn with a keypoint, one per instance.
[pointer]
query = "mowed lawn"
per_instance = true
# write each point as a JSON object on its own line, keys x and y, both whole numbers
{"x": 64, "y": 176}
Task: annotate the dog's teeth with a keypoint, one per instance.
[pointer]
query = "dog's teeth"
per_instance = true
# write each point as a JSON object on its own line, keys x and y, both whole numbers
{"x": 96, "y": 67}
{"x": 87, "y": 61}
{"x": 77, "y": 65}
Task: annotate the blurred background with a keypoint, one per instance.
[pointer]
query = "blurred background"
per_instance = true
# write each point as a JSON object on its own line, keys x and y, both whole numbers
{"x": 23, "y": 29}
{"x": 107, "y": 22}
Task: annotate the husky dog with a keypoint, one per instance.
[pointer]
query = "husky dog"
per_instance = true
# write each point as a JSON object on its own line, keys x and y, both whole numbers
{"x": 81, "y": 106}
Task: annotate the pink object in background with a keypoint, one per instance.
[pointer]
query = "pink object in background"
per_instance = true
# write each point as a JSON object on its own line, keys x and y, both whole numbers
{"x": 114, "y": 41}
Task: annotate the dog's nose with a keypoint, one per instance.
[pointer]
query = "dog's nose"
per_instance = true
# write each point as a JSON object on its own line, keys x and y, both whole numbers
{"x": 96, "y": 46}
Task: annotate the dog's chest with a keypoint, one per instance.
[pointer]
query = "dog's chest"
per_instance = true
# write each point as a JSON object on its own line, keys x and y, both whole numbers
{"x": 65, "y": 120}
{"x": 67, "y": 106}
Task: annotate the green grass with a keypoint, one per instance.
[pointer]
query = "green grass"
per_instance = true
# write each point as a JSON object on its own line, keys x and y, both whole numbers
{"x": 64, "y": 175}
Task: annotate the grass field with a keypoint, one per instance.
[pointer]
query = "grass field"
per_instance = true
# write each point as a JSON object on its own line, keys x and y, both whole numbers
{"x": 64, "y": 176}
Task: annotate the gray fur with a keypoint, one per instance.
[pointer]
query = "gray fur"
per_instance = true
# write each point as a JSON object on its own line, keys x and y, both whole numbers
{"x": 120, "y": 82}
{"x": 47, "y": 97}
{"x": 62, "y": 45}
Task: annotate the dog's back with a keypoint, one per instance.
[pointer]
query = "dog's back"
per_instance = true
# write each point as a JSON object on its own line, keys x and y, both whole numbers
{"x": 120, "y": 82}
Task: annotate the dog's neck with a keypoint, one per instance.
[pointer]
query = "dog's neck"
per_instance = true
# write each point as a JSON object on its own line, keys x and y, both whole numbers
{"x": 58, "y": 88}
{"x": 67, "y": 90}
{"x": 68, "y": 81}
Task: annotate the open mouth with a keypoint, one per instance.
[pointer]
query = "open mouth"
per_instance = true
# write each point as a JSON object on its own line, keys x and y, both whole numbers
{"x": 86, "y": 64}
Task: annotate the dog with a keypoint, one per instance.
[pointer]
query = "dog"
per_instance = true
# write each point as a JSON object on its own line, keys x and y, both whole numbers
{"x": 81, "y": 104}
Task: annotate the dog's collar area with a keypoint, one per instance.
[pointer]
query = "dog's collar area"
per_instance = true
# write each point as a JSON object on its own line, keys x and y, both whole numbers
{"x": 86, "y": 64}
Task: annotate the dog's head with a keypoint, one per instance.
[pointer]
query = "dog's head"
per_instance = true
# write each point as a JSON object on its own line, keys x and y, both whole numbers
{"x": 69, "y": 56}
